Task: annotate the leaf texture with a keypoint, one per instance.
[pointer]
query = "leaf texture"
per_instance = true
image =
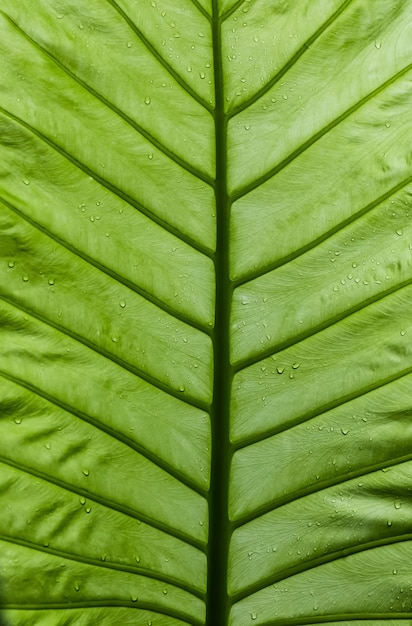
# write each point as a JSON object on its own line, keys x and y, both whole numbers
{"x": 205, "y": 297}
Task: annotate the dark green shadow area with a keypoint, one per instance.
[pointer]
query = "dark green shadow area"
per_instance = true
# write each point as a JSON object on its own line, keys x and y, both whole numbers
{"x": 3, "y": 620}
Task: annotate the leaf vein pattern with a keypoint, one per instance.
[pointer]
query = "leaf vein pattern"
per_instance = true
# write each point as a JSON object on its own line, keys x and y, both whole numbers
{"x": 144, "y": 606}
{"x": 318, "y": 135}
{"x": 110, "y": 355}
{"x": 109, "y": 504}
{"x": 217, "y": 609}
{"x": 111, "y": 565}
{"x": 314, "y": 330}
{"x": 115, "y": 190}
{"x": 121, "y": 114}
{"x": 232, "y": 10}
{"x": 318, "y": 562}
{"x": 109, "y": 272}
{"x": 323, "y": 409}
{"x": 318, "y": 488}
{"x": 347, "y": 618}
{"x": 133, "y": 445}
{"x": 325, "y": 236}
{"x": 295, "y": 58}
{"x": 159, "y": 58}
{"x": 201, "y": 10}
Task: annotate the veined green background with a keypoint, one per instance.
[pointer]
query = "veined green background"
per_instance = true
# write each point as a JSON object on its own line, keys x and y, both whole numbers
{"x": 206, "y": 312}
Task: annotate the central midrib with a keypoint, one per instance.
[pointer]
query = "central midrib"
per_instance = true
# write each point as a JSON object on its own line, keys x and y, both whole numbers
{"x": 217, "y": 609}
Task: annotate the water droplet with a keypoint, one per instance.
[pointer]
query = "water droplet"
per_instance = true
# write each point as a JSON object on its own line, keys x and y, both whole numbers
{"x": 247, "y": 127}
{"x": 76, "y": 586}
{"x": 280, "y": 369}
{"x": 255, "y": 38}
{"x": 399, "y": 232}
{"x": 85, "y": 472}
{"x": 122, "y": 303}
{"x": 137, "y": 559}
{"x": 147, "y": 100}
{"x": 150, "y": 156}
{"x": 82, "y": 500}
{"x": 26, "y": 181}
{"x": 387, "y": 124}
{"x": 378, "y": 45}
{"x": 389, "y": 522}
{"x": 202, "y": 75}
{"x": 114, "y": 339}
{"x": 253, "y": 616}
{"x": 397, "y": 505}
{"x": 11, "y": 264}
{"x": 181, "y": 388}
{"x": 295, "y": 366}
{"x": 133, "y": 598}
{"x": 189, "y": 68}
{"x": 344, "y": 431}
{"x": 403, "y": 333}
{"x": 18, "y": 420}
{"x": 51, "y": 281}
{"x": 103, "y": 557}
{"x": 164, "y": 591}
{"x": 88, "y": 509}
{"x": 129, "y": 44}
{"x": 25, "y": 278}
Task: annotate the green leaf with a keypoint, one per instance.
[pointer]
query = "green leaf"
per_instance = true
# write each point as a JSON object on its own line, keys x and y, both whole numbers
{"x": 206, "y": 356}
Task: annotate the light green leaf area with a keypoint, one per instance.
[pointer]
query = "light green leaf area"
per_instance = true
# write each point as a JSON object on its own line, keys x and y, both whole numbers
{"x": 205, "y": 312}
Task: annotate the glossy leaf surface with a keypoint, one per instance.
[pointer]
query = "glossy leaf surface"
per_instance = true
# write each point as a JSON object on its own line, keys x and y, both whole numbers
{"x": 205, "y": 274}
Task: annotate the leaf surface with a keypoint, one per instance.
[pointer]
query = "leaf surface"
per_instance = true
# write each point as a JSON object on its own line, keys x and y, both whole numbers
{"x": 205, "y": 312}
